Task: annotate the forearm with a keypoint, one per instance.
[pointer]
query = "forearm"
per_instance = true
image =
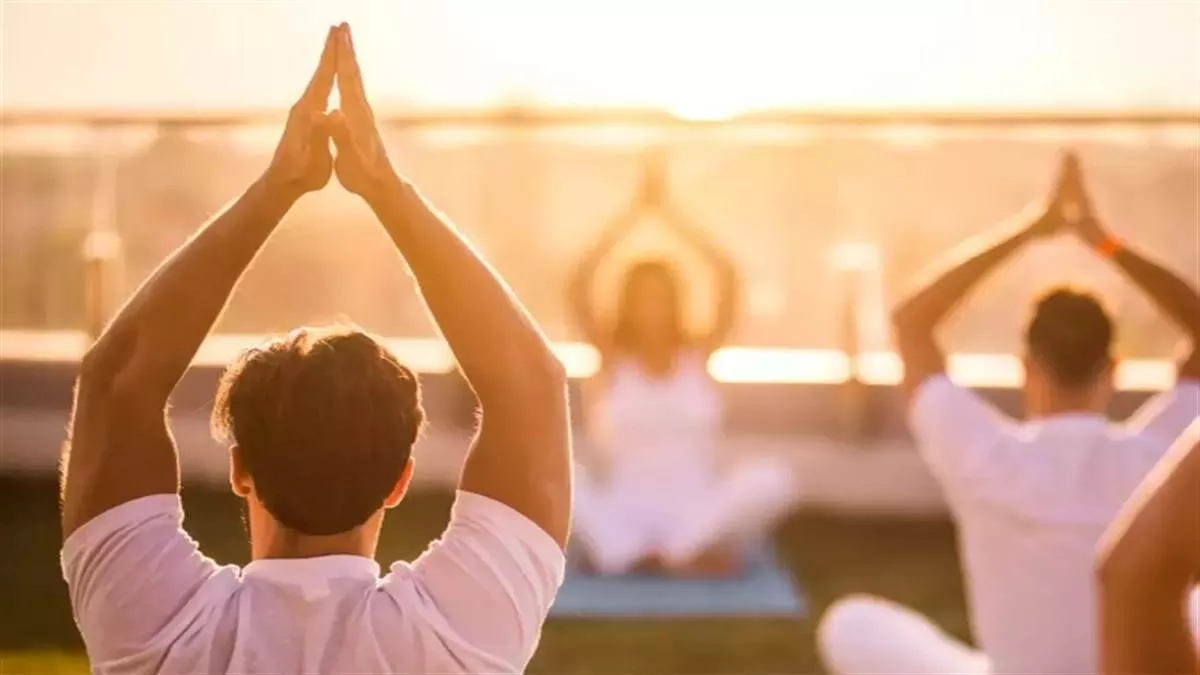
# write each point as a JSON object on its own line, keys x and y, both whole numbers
{"x": 158, "y": 332}
{"x": 1173, "y": 295}
{"x": 496, "y": 343}
{"x": 955, "y": 278}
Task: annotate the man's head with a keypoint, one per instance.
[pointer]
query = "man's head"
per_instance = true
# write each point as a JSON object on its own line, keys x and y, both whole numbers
{"x": 1068, "y": 354}
{"x": 322, "y": 424}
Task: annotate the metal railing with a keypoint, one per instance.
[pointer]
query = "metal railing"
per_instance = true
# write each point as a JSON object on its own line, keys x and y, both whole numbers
{"x": 102, "y": 250}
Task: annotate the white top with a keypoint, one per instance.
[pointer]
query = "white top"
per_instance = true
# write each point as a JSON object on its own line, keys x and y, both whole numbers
{"x": 1031, "y": 501}
{"x": 659, "y": 432}
{"x": 147, "y": 601}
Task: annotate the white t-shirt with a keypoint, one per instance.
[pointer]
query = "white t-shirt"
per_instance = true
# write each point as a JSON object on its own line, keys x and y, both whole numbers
{"x": 1032, "y": 501}
{"x": 147, "y": 601}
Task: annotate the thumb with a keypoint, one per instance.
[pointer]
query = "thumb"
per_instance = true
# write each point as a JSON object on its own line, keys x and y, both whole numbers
{"x": 319, "y": 132}
{"x": 339, "y": 130}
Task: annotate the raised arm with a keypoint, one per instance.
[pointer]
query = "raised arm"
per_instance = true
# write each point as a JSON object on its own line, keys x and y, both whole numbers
{"x": 728, "y": 281}
{"x": 522, "y": 455}
{"x": 1149, "y": 561}
{"x": 1174, "y": 296}
{"x": 581, "y": 291}
{"x": 916, "y": 320}
{"x": 119, "y": 447}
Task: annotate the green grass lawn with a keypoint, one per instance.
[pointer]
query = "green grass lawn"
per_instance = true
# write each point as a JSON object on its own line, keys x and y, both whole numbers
{"x": 912, "y": 562}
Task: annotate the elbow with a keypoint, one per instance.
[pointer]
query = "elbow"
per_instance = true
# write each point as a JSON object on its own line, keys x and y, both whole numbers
{"x": 540, "y": 380}
{"x": 1105, "y": 569}
{"x": 103, "y": 365}
{"x": 99, "y": 366}
{"x": 903, "y": 318}
{"x": 906, "y": 325}
{"x": 547, "y": 383}
{"x": 1118, "y": 566}
{"x": 550, "y": 372}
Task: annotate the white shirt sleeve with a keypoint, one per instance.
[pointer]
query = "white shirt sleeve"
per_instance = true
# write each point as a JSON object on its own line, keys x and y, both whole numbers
{"x": 1167, "y": 415}
{"x": 487, "y": 585}
{"x": 131, "y": 571}
{"x": 957, "y": 432}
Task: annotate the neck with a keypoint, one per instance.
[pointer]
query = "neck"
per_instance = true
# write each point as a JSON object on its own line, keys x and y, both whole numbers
{"x": 284, "y": 543}
{"x": 1074, "y": 404}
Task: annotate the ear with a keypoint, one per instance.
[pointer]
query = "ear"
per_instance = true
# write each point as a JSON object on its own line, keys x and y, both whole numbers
{"x": 1110, "y": 370}
{"x": 402, "y": 484}
{"x": 239, "y": 479}
{"x": 1028, "y": 364}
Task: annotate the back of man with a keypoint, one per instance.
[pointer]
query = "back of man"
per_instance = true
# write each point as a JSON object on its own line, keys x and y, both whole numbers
{"x": 320, "y": 425}
{"x": 473, "y": 602}
{"x": 1032, "y": 502}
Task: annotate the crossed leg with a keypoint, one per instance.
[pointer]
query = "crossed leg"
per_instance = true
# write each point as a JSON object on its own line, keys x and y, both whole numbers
{"x": 865, "y": 635}
{"x": 742, "y": 507}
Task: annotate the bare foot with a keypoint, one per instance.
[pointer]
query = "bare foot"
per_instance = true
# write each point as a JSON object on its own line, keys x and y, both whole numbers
{"x": 715, "y": 563}
{"x": 583, "y": 563}
{"x": 651, "y": 564}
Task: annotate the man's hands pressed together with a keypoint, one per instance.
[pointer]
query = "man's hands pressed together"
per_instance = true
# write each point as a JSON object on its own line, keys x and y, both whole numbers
{"x": 303, "y": 162}
{"x": 362, "y": 164}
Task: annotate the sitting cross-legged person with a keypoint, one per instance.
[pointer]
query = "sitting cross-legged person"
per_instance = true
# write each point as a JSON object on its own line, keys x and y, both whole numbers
{"x": 1031, "y": 498}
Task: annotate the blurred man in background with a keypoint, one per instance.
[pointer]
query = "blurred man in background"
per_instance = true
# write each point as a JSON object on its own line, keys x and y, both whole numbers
{"x": 322, "y": 426}
{"x": 1031, "y": 499}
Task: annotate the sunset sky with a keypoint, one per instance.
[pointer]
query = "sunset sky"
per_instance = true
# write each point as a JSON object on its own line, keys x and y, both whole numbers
{"x": 697, "y": 57}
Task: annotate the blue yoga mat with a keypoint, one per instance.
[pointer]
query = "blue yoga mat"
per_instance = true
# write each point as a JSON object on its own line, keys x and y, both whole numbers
{"x": 765, "y": 589}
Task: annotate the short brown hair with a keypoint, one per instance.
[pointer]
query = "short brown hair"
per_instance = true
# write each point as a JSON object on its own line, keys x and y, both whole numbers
{"x": 324, "y": 421}
{"x": 1071, "y": 335}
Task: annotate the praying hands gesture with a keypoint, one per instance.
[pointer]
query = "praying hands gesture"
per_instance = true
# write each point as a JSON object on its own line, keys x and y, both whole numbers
{"x": 303, "y": 161}
{"x": 362, "y": 165}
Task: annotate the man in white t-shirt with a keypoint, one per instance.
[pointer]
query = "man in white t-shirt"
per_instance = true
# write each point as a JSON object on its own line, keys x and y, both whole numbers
{"x": 321, "y": 424}
{"x": 1031, "y": 499}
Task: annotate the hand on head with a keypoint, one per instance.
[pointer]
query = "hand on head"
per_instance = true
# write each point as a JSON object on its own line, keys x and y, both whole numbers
{"x": 303, "y": 161}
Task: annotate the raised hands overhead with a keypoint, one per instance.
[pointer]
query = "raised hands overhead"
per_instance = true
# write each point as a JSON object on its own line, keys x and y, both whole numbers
{"x": 303, "y": 161}
{"x": 362, "y": 164}
{"x": 120, "y": 448}
{"x": 1061, "y": 207}
{"x": 1077, "y": 210}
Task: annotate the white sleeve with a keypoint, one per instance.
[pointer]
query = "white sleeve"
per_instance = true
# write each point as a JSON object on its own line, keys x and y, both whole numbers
{"x": 1167, "y": 415}
{"x": 130, "y": 572}
{"x": 957, "y": 432}
{"x": 487, "y": 585}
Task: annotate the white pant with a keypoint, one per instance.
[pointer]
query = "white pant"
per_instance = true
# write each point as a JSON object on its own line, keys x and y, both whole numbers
{"x": 864, "y": 635}
{"x": 618, "y": 530}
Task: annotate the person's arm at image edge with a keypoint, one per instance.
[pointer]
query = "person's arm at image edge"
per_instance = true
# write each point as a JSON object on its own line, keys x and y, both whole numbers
{"x": 1149, "y": 561}
{"x": 522, "y": 454}
{"x": 120, "y": 448}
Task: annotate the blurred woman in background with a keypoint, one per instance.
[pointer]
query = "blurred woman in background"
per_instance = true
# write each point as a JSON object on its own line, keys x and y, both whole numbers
{"x": 659, "y": 498}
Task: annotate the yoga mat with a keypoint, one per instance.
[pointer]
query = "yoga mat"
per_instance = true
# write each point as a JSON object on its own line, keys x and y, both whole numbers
{"x": 764, "y": 590}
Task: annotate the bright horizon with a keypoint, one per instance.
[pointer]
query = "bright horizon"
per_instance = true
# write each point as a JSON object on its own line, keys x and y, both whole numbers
{"x": 723, "y": 58}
